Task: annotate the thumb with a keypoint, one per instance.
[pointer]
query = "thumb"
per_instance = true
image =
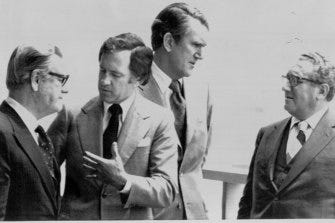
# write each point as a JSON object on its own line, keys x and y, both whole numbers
{"x": 115, "y": 152}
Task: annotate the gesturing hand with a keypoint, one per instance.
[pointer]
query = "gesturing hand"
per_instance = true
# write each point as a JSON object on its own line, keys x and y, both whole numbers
{"x": 110, "y": 171}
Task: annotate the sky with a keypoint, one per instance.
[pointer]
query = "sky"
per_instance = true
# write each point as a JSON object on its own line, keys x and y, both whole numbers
{"x": 251, "y": 44}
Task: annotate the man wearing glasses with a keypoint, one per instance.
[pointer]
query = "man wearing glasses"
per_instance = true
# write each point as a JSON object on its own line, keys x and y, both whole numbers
{"x": 29, "y": 173}
{"x": 291, "y": 174}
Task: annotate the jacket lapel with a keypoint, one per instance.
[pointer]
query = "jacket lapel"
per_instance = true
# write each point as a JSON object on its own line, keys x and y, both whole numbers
{"x": 90, "y": 127}
{"x": 29, "y": 146}
{"x": 152, "y": 92}
{"x": 191, "y": 103}
{"x": 318, "y": 140}
{"x": 133, "y": 129}
{"x": 272, "y": 145}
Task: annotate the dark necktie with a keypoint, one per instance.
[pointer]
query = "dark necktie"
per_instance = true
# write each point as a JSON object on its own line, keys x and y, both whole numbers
{"x": 302, "y": 126}
{"x": 47, "y": 149}
{"x": 178, "y": 107}
{"x": 110, "y": 134}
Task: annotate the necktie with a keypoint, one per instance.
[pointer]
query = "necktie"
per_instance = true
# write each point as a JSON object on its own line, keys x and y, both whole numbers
{"x": 301, "y": 136}
{"x": 178, "y": 107}
{"x": 47, "y": 149}
{"x": 302, "y": 127}
{"x": 110, "y": 134}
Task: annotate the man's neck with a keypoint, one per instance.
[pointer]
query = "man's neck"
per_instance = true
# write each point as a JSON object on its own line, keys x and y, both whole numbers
{"x": 161, "y": 59}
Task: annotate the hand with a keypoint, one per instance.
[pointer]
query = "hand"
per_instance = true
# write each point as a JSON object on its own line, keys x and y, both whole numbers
{"x": 110, "y": 171}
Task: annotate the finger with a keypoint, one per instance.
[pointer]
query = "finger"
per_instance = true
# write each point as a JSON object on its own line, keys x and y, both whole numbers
{"x": 115, "y": 152}
{"x": 93, "y": 157}
{"x": 89, "y": 168}
{"x": 90, "y": 162}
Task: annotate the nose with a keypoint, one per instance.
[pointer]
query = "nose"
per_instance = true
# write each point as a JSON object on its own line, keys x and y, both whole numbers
{"x": 64, "y": 89}
{"x": 285, "y": 85}
{"x": 198, "y": 54}
{"x": 105, "y": 79}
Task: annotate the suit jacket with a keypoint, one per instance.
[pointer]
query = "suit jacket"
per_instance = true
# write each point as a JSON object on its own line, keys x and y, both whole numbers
{"x": 308, "y": 191}
{"x": 147, "y": 145}
{"x": 27, "y": 189}
{"x": 198, "y": 135}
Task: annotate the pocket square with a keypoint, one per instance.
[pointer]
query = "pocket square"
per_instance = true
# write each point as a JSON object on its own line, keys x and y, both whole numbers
{"x": 144, "y": 142}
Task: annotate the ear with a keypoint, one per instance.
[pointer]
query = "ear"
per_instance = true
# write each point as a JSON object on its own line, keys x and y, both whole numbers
{"x": 323, "y": 91}
{"x": 168, "y": 41}
{"x": 34, "y": 80}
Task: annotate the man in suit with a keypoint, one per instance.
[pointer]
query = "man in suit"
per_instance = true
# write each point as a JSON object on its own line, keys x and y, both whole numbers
{"x": 178, "y": 36}
{"x": 128, "y": 179}
{"x": 291, "y": 174}
{"x": 29, "y": 173}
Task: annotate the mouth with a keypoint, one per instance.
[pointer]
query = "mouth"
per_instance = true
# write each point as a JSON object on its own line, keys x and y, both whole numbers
{"x": 288, "y": 97}
{"x": 192, "y": 63}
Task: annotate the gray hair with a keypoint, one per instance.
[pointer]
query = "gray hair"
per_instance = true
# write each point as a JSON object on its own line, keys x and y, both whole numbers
{"x": 24, "y": 60}
{"x": 323, "y": 71}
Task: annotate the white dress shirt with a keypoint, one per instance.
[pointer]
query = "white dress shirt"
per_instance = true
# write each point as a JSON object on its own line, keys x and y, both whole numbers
{"x": 293, "y": 144}
{"x": 163, "y": 81}
{"x": 125, "y": 105}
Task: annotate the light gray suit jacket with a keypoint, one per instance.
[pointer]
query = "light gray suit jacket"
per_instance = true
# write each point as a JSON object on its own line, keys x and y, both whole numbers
{"x": 148, "y": 148}
{"x": 198, "y": 135}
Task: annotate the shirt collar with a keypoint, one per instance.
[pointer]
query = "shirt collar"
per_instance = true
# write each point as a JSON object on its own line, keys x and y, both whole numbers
{"x": 313, "y": 120}
{"x": 125, "y": 105}
{"x": 162, "y": 79}
{"x": 27, "y": 117}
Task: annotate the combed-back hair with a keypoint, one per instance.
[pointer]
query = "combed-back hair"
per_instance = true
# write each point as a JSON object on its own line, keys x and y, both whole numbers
{"x": 25, "y": 59}
{"x": 323, "y": 71}
{"x": 173, "y": 19}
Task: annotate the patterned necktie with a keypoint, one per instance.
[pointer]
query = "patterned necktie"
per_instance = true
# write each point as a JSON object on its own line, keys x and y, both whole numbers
{"x": 110, "y": 134}
{"x": 47, "y": 149}
{"x": 302, "y": 127}
{"x": 301, "y": 136}
{"x": 178, "y": 106}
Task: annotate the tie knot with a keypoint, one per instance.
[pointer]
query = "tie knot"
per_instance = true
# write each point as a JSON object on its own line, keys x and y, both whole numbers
{"x": 302, "y": 126}
{"x": 175, "y": 86}
{"x": 115, "y": 109}
{"x": 39, "y": 129}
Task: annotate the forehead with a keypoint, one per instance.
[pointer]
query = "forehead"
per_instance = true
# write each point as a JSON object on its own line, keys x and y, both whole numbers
{"x": 302, "y": 68}
{"x": 196, "y": 31}
{"x": 116, "y": 60}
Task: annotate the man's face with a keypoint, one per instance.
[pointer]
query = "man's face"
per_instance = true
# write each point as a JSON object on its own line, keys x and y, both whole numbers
{"x": 300, "y": 101}
{"x": 185, "y": 53}
{"x": 50, "y": 97}
{"x": 116, "y": 83}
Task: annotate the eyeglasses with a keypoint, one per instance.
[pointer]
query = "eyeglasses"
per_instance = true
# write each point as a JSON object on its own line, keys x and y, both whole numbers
{"x": 62, "y": 78}
{"x": 296, "y": 80}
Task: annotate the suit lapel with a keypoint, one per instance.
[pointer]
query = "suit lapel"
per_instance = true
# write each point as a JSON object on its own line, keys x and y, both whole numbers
{"x": 90, "y": 127}
{"x": 29, "y": 146}
{"x": 318, "y": 140}
{"x": 133, "y": 129}
{"x": 191, "y": 103}
{"x": 152, "y": 92}
{"x": 272, "y": 145}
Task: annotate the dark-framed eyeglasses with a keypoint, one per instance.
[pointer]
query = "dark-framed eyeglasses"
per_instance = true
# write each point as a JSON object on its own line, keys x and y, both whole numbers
{"x": 296, "y": 80}
{"x": 62, "y": 78}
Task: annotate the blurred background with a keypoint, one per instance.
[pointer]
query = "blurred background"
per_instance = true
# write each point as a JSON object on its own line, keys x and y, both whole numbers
{"x": 251, "y": 44}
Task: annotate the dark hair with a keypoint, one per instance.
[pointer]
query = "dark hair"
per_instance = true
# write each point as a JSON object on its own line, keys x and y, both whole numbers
{"x": 173, "y": 19}
{"x": 324, "y": 71}
{"x": 24, "y": 60}
{"x": 140, "y": 58}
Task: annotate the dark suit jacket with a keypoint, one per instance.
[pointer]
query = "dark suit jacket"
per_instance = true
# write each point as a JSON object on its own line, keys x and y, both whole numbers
{"x": 27, "y": 190}
{"x": 198, "y": 137}
{"x": 148, "y": 148}
{"x": 308, "y": 191}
